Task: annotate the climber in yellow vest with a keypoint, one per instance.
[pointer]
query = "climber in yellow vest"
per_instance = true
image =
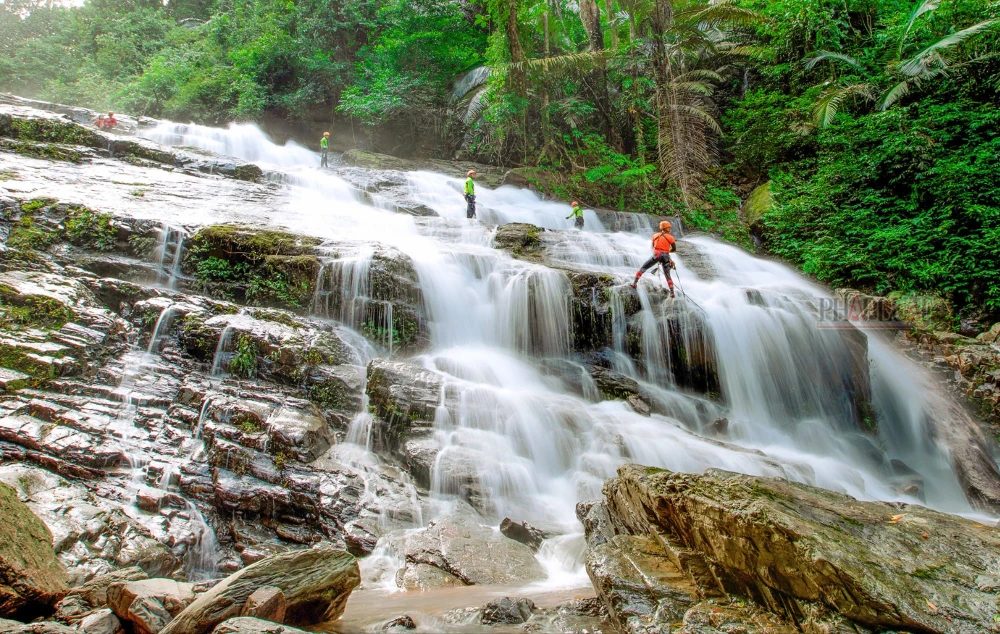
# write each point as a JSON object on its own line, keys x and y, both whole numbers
{"x": 576, "y": 213}
{"x": 324, "y": 150}
{"x": 470, "y": 194}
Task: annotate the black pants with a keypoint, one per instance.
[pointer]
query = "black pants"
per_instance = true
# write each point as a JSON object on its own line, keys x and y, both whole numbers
{"x": 323, "y": 155}
{"x": 470, "y": 211}
{"x": 662, "y": 259}
{"x": 579, "y": 222}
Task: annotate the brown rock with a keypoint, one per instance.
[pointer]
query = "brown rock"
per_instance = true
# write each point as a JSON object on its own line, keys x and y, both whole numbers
{"x": 266, "y": 603}
{"x": 149, "y": 604}
{"x": 94, "y": 593}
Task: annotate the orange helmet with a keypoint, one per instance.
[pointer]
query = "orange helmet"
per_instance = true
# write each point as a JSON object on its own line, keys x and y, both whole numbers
{"x": 665, "y": 225}
{"x": 111, "y": 114}
{"x": 470, "y": 173}
{"x": 575, "y": 203}
{"x": 326, "y": 134}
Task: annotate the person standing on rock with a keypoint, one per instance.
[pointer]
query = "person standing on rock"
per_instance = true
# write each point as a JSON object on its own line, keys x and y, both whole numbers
{"x": 576, "y": 213}
{"x": 470, "y": 194}
{"x": 324, "y": 150}
{"x": 663, "y": 245}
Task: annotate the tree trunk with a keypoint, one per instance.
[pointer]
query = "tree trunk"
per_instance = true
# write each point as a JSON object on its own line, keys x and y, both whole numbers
{"x": 590, "y": 15}
{"x": 609, "y": 11}
{"x": 517, "y": 57}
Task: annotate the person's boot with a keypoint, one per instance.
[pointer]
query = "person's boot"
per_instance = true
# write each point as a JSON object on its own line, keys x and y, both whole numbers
{"x": 635, "y": 282}
{"x": 672, "y": 296}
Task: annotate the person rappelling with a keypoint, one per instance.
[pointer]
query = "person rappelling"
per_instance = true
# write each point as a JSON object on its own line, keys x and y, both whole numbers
{"x": 470, "y": 194}
{"x": 324, "y": 150}
{"x": 663, "y": 245}
{"x": 576, "y": 213}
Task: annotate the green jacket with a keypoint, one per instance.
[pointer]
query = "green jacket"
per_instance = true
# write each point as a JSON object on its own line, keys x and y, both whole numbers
{"x": 470, "y": 187}
{"x": 324, "y": 143}
{"x": 576, "y": 213}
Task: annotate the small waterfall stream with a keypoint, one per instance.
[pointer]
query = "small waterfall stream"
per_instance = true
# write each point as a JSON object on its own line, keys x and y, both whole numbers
{"x": 530, "y": 446}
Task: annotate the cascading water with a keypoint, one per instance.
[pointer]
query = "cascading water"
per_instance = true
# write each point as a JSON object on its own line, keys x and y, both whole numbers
{"x": 529, "y": 446}
{"x": 169, "y": 252}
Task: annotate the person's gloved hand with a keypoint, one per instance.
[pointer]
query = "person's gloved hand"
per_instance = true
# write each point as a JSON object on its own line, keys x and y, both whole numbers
{"x": 672, "y": 264}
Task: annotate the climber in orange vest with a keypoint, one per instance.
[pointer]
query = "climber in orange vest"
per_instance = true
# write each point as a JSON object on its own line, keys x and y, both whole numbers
{"x": 663, "y": 245}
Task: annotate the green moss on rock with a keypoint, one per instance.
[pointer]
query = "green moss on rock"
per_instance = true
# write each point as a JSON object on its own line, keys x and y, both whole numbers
{"x": 31, "y": 578}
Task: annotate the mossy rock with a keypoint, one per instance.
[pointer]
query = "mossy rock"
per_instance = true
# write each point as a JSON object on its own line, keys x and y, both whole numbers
{"x": 263, "y": 267}
{"x": 199, "y": 340}
{"x": 49, "y": 129}
{"x": 522, "y": 240}
{"x": 31, "y": 578}
{"x": 52, "y": 151}
{"x": 249, "y": 243}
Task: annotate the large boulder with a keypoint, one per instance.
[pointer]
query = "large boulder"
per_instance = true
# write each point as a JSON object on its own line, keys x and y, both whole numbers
{"x": 253, "y": 625}
{"x": 803, "y": 553}
{"x": 31, "y": 578}
{"x": 462, "y": 547}
{"x": 316, "y": 584}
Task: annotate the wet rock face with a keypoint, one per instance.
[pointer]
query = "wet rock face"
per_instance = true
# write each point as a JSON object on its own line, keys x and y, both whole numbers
{"x": 61, "y": 133}
{"x": 31, "y": 578}
{"x": 91, "y": 535}
{"x": 797, "y": 551}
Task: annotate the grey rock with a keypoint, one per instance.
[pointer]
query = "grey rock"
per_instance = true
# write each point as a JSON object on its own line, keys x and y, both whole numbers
{"x": 525, "y": 533}
{"x": 507, "y": 611}
{"x": 403, "y": 622}
{"x": 251, "y": 625}
{"x": 477, "y": 555}
{"x": 101, "y": 621}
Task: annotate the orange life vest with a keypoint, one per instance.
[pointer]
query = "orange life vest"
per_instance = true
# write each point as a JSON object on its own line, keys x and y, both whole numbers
{"x": 662, "y": 243}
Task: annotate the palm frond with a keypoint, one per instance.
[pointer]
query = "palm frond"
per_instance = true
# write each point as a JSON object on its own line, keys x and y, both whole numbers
{"x": 758, "y": 203}
{"x": 696, "y": 87}
{"x": 832, "y": 56}
{"x": 831, "y": 99}
{"x": 699, "y": 114}
{"x": 918, "y": 64}
{"x": 701, "y": 74}
{"x": 586, "y": 60}
{"x": 922, "y": 7}
{"x": 897, "y": 92}
{"x": 761, "y": 53}
{"x": 723, "y": 12}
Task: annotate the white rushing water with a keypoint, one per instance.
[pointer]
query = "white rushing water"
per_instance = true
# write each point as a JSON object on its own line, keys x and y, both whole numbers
{"x": 529, "y": 441}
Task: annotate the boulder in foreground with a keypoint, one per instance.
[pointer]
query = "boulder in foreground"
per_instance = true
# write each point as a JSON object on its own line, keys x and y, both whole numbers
{"x": 808, "y": 555}
{"x": 316, "y": 584}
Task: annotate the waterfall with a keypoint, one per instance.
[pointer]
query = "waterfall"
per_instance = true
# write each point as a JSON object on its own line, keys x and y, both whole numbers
{"x": 520, "y": 444}
{"x": 163, "y": 323}
{"x": 169, "y": 252}
{"x": 222, "y": 356}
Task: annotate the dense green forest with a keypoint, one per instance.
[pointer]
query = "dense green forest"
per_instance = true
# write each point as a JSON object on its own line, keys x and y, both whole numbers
{"x": 856, "y": 139}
